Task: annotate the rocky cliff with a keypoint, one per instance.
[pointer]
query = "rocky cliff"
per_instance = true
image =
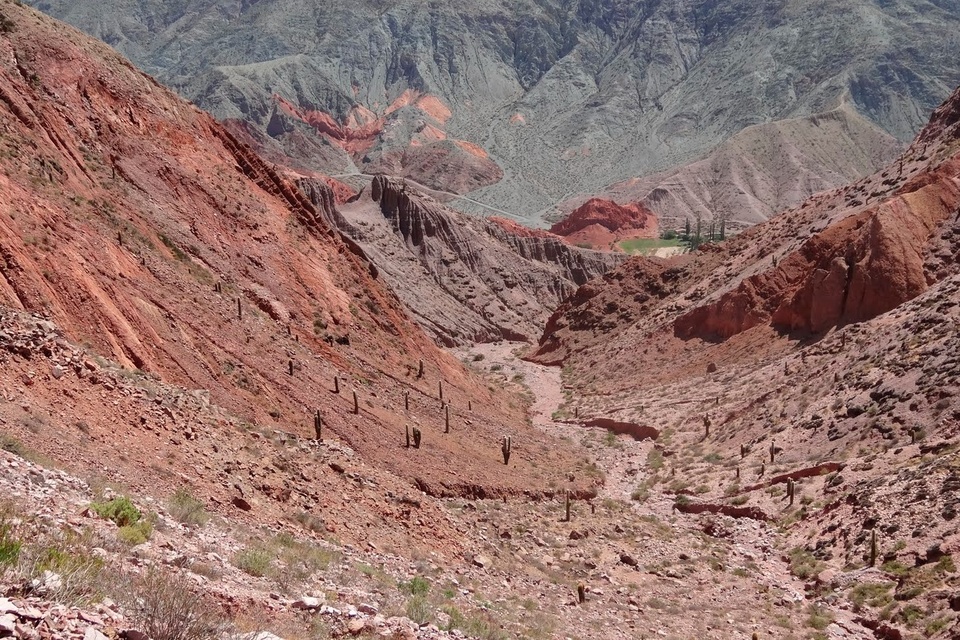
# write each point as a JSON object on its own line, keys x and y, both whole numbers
{"x": 842, "y": 257}
{"x": 463, "y": 278}
{"x": 602, "y": 223}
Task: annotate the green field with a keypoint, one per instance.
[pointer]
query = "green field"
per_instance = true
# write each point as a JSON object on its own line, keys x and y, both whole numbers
{"x": 646, "y": 246}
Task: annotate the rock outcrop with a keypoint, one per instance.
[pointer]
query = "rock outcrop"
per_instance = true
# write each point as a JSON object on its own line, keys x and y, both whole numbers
{"x": 853, "y": 270}
{"x": 465, "y": 279}
{"x": 602, "y": 223}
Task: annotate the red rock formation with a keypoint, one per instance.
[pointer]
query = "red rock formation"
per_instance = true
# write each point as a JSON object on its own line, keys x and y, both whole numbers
{"x": 600, "y": 222}
{"x": 856, "y": 269}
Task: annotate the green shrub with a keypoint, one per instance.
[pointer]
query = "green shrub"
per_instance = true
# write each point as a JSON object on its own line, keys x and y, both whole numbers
{"x": 803, "y": 564}
{"x": 186, "y": 509}
{"x": 255, "y": 561}
{"x": 9, "y": 546}
{"x": 419, "y": 610}
{"x": 417, "y": 586}
{"x": 120, "y": 510}
{"x": 136, "y": 533}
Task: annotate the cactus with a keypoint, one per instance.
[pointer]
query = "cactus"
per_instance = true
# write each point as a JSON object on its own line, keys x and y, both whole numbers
{"x": 791, "y": 488}
{"x": 318, "y": 425}
{"x": 738, "y": 472}
{"x": 440, "y": 387}
{"x": 576, "y": 413}
{"x": 216, "y": 287}
{"x": 446, "y": 419}
{"x": 239, "y": 310}
{"x": 773, "y": 451}
{"x": 420, "y": 370}
{"x": 406, "y": 401}
{"x": 407, "y": 428}
{"x": 506, "y": 448}
{"x": 706, "y": 426}
{"x": 581, "y": 593}
{"x": 336, "y": 384}
{"x": 416, "y": 438}
{"x": 873, "y": 547}
{"x": 469, "y": 405}
{"x": 290, "y": 366}
{"x": 566, "y": 517}
{"x": 763, "y": 469}
{"x": 743, "y": 451}
{"x": 356, "y": 404}
{"x": 119, "y": 238}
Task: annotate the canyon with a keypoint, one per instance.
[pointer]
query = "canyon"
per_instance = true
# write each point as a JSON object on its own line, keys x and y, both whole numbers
{"x": 303, "y": 405}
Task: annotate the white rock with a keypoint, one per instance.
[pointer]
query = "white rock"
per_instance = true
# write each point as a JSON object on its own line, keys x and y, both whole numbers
{"x": 92, "y": 634}
{"x": 7, "y": 624}
{"x": 307, "y": 602}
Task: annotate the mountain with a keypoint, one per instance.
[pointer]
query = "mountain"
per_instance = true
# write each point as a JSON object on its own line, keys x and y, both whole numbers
{"x": 144, "y": 231}
{"x": 812, "y": 354}
{"x": 531, "y": 103}
{"x": 464, "y": 279}
{"x": 763, "y": 170}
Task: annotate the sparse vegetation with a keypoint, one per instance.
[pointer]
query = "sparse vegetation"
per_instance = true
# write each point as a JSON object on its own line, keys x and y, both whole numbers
{"x": 255, "y": 561}
{"x": 186, "y": 509}
{"x": 120, "y": 510}
{"x": 167, "y": 608}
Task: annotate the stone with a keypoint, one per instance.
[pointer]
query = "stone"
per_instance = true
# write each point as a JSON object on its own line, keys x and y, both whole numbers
{"x": 368, "y": 609}
{"x": 133, "y": 634}
{"x": 628, "y": 560}
{"x": 356, "y": 626}
{"x": 482, "y": 561}
{"x": 93, "y": 634}
{"x": 307, "y": 602}
{"x": 8, "y": 624}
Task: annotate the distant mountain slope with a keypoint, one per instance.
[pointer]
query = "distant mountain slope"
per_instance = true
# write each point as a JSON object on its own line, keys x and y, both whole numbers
{"x": 565, "y": 98}
{"x": 764, "y": 169}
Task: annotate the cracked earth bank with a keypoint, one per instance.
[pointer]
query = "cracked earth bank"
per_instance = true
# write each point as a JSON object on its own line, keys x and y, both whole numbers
{"x": 649, "y": 571}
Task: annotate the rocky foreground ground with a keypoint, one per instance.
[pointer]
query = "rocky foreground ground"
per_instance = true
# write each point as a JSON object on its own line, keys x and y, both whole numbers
{"x": 646, "y": 568}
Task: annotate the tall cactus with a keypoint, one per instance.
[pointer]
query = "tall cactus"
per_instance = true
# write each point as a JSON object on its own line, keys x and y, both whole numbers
{"x": 446, "y": 419}
{"x": 318, "y": 425}
{"x": 506, "y": 448}
{"x": 356, "y": 404}
{"x": 416, "y": 438}
{"x": 873, "y": 547}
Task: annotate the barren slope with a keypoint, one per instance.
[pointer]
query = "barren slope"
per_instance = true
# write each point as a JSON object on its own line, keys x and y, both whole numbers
{"x": 144, "y": 230}
{"x": 815, "y": 352}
